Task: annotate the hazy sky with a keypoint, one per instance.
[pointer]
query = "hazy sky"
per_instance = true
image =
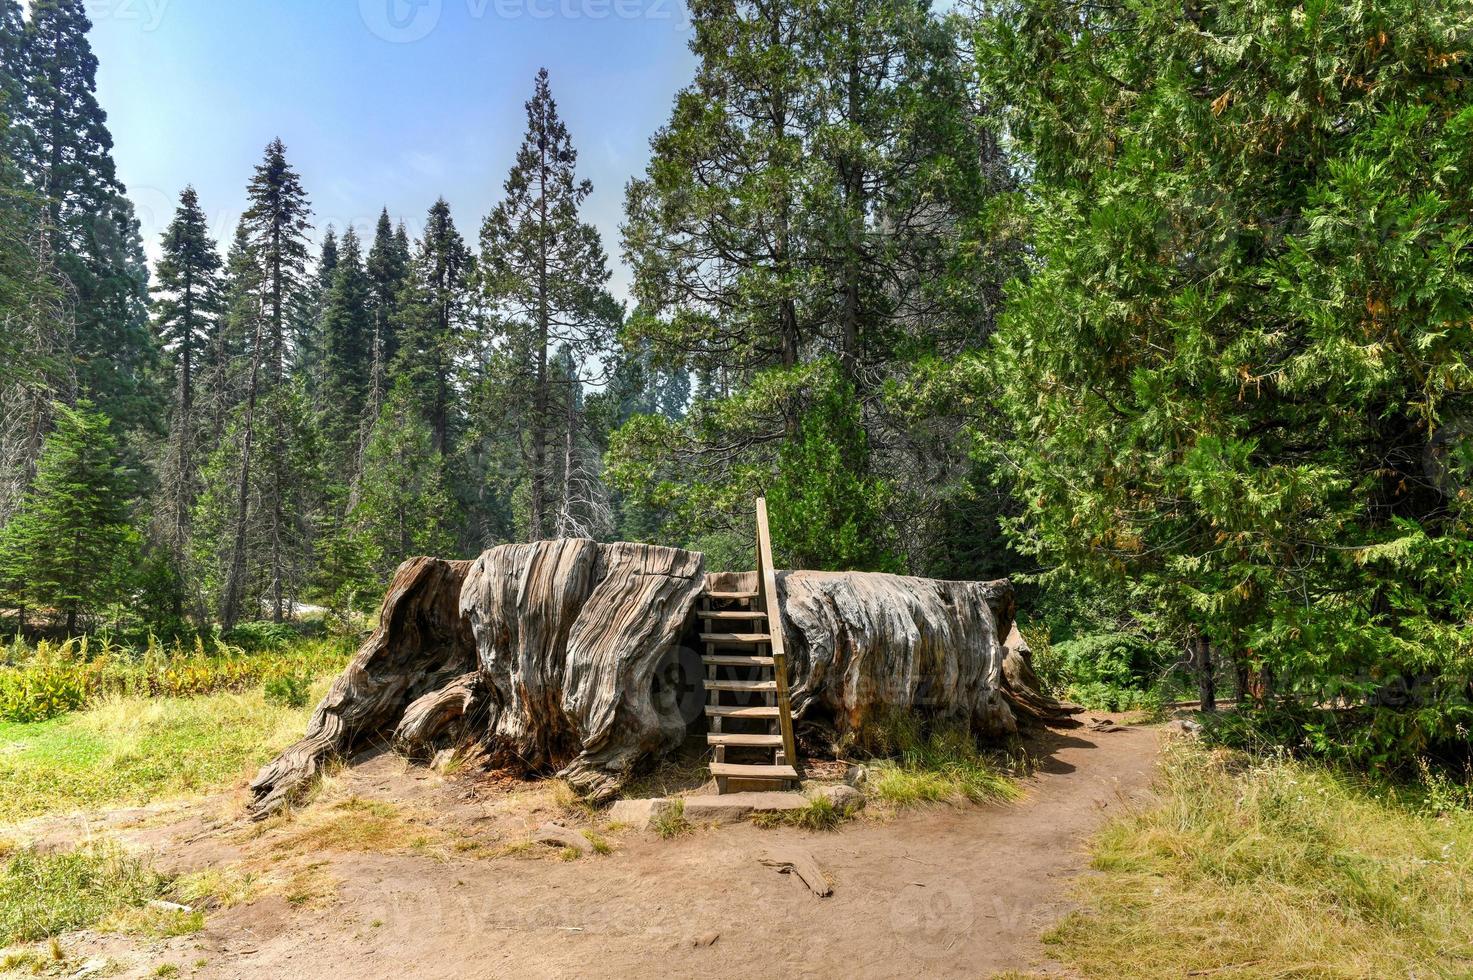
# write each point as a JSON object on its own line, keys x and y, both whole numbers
{"x": 380, "y": 102}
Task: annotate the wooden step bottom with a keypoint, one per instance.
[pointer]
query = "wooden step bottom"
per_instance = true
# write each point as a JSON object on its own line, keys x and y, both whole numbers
{"x": 731, "y": 770}
{"x": 732, "y": 740}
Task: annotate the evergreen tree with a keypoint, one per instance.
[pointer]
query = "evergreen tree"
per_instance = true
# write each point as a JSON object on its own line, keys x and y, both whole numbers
{"x": 403, "y": 506}
{"x": 388, "y": 270}
{"x": 346, "y": 349}
{"x": 1238, "y": 363}
{"x": 189, "y": 302}
{"x": 545, "y": 276}
{"x": 189, "y": 294}
{"x": 70, "y": 545}
{"x": 95, "y": 239}
{"x": 434, "y": 305}
{"x": 278, "y": 220}
{"x": 815, "y": 194}
{"x": 36, "y": 364}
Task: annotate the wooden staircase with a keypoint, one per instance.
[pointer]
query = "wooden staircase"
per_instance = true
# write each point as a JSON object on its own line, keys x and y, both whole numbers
{"x": 749, "y": 722}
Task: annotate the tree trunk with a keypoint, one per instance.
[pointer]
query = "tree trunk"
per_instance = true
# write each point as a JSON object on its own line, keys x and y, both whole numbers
{"x": 557, "y": 656}
{"x": 235, "y": 580}
{"x": 1206, "y": 681}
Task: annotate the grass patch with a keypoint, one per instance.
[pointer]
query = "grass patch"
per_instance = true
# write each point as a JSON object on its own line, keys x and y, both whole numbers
{"x": 356, "y": 824}
{"x": 943, "y": 765}
{"x": 134, "y": 750}
{"x": 821, "y": 813}
{"x": 42, "y": 895}
{"x": 670, "y": 821}
{"x": 1275, "y": 867}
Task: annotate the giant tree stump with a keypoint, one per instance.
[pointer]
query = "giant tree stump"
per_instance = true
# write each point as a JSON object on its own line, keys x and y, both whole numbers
{"x": 559, "y": 656}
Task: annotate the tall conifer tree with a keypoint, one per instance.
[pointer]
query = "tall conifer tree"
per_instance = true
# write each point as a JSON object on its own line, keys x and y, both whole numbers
{"x": 545, "y": 276}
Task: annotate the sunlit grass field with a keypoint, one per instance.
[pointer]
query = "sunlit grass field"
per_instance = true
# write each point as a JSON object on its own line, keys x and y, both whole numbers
{"x": 1278, "y": 868}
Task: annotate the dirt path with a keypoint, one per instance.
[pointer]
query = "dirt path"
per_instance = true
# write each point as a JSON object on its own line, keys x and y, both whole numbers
{"x": 941, "y": 892}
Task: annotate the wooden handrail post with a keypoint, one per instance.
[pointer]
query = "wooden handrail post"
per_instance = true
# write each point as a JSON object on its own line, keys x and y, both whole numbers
{"x": 767, "y": 590}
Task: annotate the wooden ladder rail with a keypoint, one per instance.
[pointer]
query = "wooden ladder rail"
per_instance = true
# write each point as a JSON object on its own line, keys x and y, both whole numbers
{"x": 768, "y": 602}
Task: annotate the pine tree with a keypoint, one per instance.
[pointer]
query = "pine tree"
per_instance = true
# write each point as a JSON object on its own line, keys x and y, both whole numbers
{"x": 434, "y": 308}
{"x": 36, "y": 364}
{"x": 814, "y": 195}
{"x": 278, "y": 220}
{"x": 403, "y": 506}
{"x": 185, "y": 313}
{"x": 95, "y": 239}
{"x": 346, "y": 349}
{"x": 70, "y": 546}
{"x": 13, "y": 75}
{"x": 545, "y": 276}
{"x": 189, "y": 294}
{"x": 388, "y": 270}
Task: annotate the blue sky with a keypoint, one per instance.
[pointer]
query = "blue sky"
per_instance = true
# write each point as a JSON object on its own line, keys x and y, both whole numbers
{"x": 380, "y": 102}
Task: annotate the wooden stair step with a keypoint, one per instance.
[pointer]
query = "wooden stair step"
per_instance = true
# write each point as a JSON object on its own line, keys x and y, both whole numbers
{"x": 735, "y": 660}
{"x": 743, "y": 711}
{"x": 737, "y": 771}
{"x": 743, "y": 639}
{"x": 742, "y": 614}
{"x": 740, "y": 740}
{"x": 741, "y": 685}
{"x": 731, "y": 596}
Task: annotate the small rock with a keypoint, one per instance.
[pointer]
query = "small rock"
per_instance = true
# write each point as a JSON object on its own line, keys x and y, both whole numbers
{"x": 560, "y": 836}
{"x": 856, "y": 776}
{"x": 841, "y": 795}
{"x": 159, "y": 903}
{"x": 706, "y": 939}
{"x": 442, "y": 760}
{"x": 1183, "y": 726}
{"x": 640, "y": 814}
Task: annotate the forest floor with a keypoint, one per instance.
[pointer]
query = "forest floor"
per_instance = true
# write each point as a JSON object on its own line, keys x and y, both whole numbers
{"x": 395, "y": 871}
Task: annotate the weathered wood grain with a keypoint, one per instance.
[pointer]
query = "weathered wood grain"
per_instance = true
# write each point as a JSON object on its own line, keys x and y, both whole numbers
{"x": 550, "y": 654}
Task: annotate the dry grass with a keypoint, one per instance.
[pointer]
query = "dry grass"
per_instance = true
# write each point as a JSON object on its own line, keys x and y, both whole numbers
{"x": 821, "y": 813}
{"x": 1274, "y": 868}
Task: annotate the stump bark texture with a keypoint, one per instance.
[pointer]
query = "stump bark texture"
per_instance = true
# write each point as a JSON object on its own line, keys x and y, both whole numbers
{"x": 565, "y": 656}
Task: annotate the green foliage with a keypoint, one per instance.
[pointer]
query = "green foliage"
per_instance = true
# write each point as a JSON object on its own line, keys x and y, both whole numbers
{"x": 825, "y": 512}
{"x": 403, "y": 506}
{"x": 821, "y": 813}
{"x": 52, "y": 679}
{"x": 71, "y": 547}
{"x": 44, "y": 894}
{"x": 1227, "y": 373}
{"x": 288, "y": 690}
{"x": 1109, "y": 671}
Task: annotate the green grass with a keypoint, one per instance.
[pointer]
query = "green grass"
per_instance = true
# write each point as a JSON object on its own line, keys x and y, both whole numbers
{"x": 42, "y": 895}
{"x": 135, "y": 750}
{"x": 942, "y": 765}
{"x": 671, "y": 821}
{"x": 821, "y": 813}
{"x": 1274, "y": 868}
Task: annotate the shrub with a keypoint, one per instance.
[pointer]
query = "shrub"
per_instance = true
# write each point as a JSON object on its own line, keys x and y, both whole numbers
{"x": 289, "y": 690}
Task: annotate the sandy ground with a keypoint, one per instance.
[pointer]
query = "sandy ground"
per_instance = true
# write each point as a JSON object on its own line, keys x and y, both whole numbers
{"x": 940, "y": 891}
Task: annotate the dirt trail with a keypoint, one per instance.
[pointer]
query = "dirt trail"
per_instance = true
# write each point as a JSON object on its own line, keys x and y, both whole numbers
{"x": 941, "y": 892}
